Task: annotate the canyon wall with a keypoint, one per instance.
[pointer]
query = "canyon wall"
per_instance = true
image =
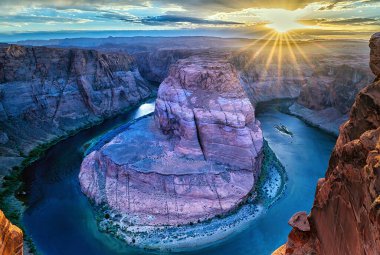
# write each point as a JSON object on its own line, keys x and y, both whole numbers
{"x": 323, "y": 80}
{"x": 155, "y": 65}
{"x": 320, "y": 73}
{"x": 345, "y": 218}
{"x": 11, "y": 237}
{"x": 47, "y": 93}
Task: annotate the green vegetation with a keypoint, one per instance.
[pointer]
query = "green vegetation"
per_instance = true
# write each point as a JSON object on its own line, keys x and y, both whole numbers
{"x": 270, "y": 162}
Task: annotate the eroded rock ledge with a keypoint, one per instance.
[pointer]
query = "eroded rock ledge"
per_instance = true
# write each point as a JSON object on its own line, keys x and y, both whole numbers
{"x": 199, "y": 156}
{"x": 345, "y": 218}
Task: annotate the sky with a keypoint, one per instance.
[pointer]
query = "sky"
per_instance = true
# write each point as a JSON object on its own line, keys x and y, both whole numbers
{"x": 356, "y": 19}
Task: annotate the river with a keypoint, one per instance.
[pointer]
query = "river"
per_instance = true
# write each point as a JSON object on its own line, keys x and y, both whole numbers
{"x": 60, "y": 220}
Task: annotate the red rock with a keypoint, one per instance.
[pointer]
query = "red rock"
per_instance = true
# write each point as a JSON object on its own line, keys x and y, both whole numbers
{"x": 299, "y": 221}
{"x": 374, "y": 44}
{"x": 345, "y": 218}
{"x": 11, "y": 237}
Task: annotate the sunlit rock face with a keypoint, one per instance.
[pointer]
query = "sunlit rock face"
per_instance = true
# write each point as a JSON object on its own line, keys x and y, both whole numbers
{"x": 199, "y": 156}
{"x": 204, "y": 106}
{"x": 345, "y": 218}
{"x": 11, "y": 237}
{"x": 375, "y": 55}
{"x": 46, "y": 93}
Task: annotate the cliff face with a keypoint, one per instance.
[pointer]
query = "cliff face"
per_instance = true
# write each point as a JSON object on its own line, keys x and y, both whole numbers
{"x": 46, "y": 93}
{"x": 197, "y": 98}
{"x": 11, "y": 240}
{"x": 198, "y": 158}
{"x": 324, "y": 82}
{"x": 345, "y": 218}
{"x": 155, "y": 65}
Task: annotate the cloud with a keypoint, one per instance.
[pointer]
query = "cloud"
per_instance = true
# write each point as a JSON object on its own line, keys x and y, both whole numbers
{"x": 38, "y": 19}
{"x": 189, "y": 5}
{"x": 228, "y": 5}
{"x": 122, "y": 17}
{"x": 349, "y": 21}
{"x": 167, "y": 19}
{"x": 345, "y": 4}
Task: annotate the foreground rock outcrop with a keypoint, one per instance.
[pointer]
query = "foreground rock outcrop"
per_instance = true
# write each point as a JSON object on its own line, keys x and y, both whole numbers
{"x": 11, "y": 237}
{"x": 199, "y": 157}
{"x": 345, "y": 218}
{"x": 47, "y": 93}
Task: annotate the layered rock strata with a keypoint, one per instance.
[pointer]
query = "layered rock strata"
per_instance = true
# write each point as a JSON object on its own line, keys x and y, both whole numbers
{"x": 47, "y": 93}
{"x": 204, "y": 106}
{"x": 324, "y": 79}
{"x": 198, "y": 157}
{"x": 345, "y": 218}
{"x": 325, "y": 100}
{"x": 11, "y": 237}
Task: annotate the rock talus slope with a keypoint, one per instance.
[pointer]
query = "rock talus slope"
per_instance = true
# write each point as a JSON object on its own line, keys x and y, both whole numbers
{"x": 345, "y": 218}
{"x": 46, "y": 93}
{"x": 11, "y": 237}
{"x": 199, "y": 156}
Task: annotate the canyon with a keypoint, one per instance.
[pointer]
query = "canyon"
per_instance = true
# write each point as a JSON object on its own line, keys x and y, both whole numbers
{"x": 49, "y": 93}
{"x": 201, "y": 153}
{"x": 345, "y": 217}
{"x": 322, "y": 76}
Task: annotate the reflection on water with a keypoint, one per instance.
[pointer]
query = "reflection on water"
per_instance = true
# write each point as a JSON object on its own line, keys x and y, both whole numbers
{"x": 60, "y": 219}
{"x": 144, "y": 109}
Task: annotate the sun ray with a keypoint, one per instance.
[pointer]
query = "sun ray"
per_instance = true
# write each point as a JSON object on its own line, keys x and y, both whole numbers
{"x": 264, "y": 72}
{"x": 294, "y": 58}
{"x": 258, "y": 52}
{"x": 310, "y": 41}
{"x": 279, "y": 59}
{"x": 250, "y": 45}
{"x": 300, "y": 51}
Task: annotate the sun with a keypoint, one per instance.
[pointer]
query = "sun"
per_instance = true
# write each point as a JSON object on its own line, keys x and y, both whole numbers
{"x": 283, "y": 21}
{"x": 285, "y": 26}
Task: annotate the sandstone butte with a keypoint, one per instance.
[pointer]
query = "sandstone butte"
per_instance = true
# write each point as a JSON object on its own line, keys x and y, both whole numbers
{"x": 345, "y": 218}
{"x": 198, "y": 157}
{"x": 11, "y": 237}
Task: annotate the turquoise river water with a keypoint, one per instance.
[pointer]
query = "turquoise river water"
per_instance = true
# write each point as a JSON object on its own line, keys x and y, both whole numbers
{"x": 60, "y": 220}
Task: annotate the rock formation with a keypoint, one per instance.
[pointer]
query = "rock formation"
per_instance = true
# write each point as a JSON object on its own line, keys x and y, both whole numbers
{"x": 199, "y": 156}
{"x": 325, "y": 100}
{"x": 203, "y": 104}
{"x": 324, "y": 84}
{"x": 47, "y": 93}
{"x": 11, "y": 237}
{"x": 155, "y": 65}
{"x": 375, "y": 54}
{"x": 345, "y": 218}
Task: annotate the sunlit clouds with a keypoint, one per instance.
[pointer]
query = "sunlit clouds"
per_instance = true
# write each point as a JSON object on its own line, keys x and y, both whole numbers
{"x": 245, "y": 18}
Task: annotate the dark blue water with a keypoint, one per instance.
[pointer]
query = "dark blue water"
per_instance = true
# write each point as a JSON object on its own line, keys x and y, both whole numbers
{"x": 60, "y": 219}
